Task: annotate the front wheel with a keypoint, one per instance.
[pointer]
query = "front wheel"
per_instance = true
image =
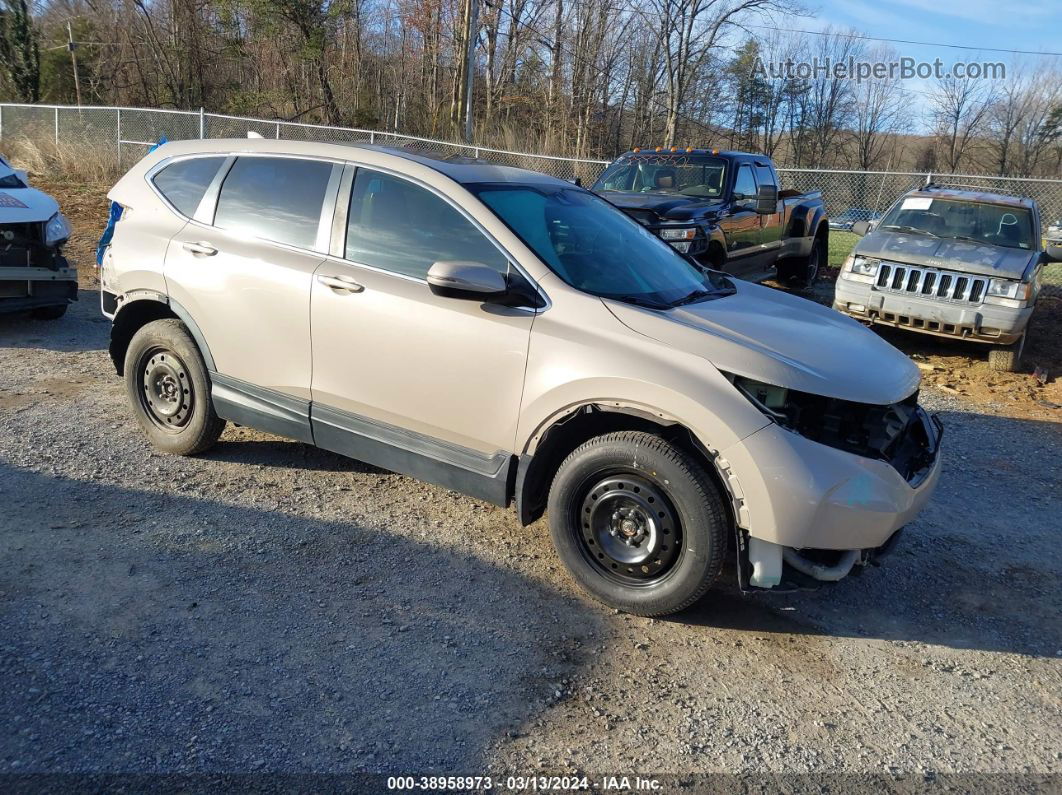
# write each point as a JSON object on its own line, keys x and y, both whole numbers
{"x": 1007, "y": 358}
{"x": 638, "y": 523}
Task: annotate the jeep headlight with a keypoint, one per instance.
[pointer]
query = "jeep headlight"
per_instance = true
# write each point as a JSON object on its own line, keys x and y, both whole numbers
{"x": 1005, "y": 288}
{"x": 860, "y": 269}
{"x": 57, "y": 230}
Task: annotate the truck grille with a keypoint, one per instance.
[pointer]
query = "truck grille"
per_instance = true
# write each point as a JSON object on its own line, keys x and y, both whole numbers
{"x": 931, "y": 283}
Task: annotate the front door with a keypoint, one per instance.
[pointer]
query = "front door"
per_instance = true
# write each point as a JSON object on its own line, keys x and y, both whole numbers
{"x": 742, "y": 227}
{"x": 403, "y": 378}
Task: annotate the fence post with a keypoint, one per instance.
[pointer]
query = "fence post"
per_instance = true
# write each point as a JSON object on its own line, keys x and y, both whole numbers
{"x": 118, "y": 138}
{"x": 1, "y": 120}
{"x": 278, "y": 130}
{"x": 372, "y": 137}
{"x": 202, "y": 124}
{"x": 56, "y": 126}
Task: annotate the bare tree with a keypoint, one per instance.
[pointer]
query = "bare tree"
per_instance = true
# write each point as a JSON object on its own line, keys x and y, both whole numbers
{"x": 959, "y": 112}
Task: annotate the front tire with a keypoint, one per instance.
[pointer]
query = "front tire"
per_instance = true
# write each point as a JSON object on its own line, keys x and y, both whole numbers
{"x": 638, "y": 523}
{"x": 167, "y": 384}
{"x": 1007, "y": 358}
{"x": 49, "y": 312}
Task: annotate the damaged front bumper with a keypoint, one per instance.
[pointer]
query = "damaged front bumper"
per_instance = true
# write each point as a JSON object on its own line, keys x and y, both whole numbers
{"x": 811, "y": 513}
{"x": 23, "y": 288}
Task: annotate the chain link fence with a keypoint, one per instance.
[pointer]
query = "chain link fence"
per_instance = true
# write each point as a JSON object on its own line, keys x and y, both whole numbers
{"x": 125, "y": 134}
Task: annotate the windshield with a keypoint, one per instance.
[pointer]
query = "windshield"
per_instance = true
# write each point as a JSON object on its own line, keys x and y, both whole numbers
{"x": 597, "y": 249}
{"x": 991, "y": 224}
{"x": 683, "y": 175}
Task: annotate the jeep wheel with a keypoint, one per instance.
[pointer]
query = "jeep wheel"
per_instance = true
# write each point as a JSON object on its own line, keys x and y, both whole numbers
{"x": 167, "y": 384}
{"x": 49, "y": 312}
{"x": 1007, "y": 358}
{"x": 638, "y": 523}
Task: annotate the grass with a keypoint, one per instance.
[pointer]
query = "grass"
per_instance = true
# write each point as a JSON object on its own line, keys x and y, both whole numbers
{"x": 841, "y": 245}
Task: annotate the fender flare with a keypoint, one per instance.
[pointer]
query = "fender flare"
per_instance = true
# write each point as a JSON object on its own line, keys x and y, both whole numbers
{"x": 136, "y": 296}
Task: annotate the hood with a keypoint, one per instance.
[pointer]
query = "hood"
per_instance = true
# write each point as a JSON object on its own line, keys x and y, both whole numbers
{"x": 25, "y": 205}
{"x": 947, "y": 254}
{"x": 771, "y": 336}
{"x": 667, "y": 206}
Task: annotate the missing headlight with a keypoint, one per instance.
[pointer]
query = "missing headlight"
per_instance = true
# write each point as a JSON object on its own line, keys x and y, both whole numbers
{"x": 890, "y": 432}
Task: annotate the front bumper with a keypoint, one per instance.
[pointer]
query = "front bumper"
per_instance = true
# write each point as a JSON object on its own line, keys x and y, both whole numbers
{"x": 978, "y": 322}
{"x": 23, "y": 288}
{"x": 797, "y": 493}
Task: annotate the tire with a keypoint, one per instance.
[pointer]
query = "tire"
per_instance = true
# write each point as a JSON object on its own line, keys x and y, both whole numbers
{"x": 804, "y": 271}
{"x": 1007, "y": 358}
{"x": 169, "y": 389}
{"x": 49, "y": 312}
{"x": 631, "y": 500}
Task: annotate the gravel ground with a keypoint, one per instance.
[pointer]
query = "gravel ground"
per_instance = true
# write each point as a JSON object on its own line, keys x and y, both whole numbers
{"x": 272, "y": 607}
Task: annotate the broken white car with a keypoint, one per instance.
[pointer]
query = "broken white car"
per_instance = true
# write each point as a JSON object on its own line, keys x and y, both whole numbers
{"x": 34, "y": 275}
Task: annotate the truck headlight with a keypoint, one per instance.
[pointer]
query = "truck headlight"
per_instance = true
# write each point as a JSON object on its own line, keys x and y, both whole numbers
{"x": 860, "y": 269}
{"x": 56, "y": 231}
{"x": 1005, "y": 288}
{"x": 681, "y": 233}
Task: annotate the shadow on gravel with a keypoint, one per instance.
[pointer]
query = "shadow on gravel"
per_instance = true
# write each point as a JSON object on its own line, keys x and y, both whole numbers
{"x": 82, "y": 328}
{"x": 146, "y": 632}
{"x": 977, "y": 570}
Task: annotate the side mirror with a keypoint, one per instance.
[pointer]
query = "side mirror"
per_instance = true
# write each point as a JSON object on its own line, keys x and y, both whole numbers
{"x": 767, "y": 200}
{"x": 472, "y": 281}
{"x": 22, "y": 175}
{"x": 860, "y": 228}
{"x": 578, "y": 182}
{"x": 1053, "y": 253}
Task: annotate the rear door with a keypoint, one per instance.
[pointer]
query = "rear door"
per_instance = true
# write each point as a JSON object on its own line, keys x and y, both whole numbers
{"x": 771, "y": 225}
{"x": 242, "y": 269}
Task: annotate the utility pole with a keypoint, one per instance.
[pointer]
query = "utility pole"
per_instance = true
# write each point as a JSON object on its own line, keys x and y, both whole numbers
{"x": 72, "y": 46}
{"x": 472, "y": 34}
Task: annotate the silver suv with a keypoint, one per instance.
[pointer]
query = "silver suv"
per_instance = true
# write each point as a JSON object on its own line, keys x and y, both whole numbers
{"x": 516, "y": 338}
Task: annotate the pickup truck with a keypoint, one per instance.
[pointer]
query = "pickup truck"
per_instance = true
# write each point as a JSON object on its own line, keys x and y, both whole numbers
{"x": 723, "y": 209}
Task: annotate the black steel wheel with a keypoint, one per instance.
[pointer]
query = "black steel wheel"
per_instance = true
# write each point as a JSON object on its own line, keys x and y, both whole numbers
{"x": 630, "y": 531}
{"x": 638, "y": 523}
{"x": 169, "y": 389}
{"x": 166, "y": 391}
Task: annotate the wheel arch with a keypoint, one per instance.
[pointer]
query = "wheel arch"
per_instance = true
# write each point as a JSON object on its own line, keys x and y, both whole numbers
{"x": 140, "y": 308}
{"x": 563, "y": 433}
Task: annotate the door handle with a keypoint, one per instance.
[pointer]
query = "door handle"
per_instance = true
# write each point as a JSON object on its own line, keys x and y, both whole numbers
{"x": 205, "y": 249}
{"x": 344, "y": 283}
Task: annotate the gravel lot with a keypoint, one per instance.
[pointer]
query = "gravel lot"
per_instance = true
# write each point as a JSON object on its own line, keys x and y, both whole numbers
{"x": 272, "y": 607}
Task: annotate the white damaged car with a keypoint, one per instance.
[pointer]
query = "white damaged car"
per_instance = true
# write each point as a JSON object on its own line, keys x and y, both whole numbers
{"x": 34, "y": 275}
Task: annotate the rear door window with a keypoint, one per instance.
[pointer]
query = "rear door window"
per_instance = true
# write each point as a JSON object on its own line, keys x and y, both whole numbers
{"x": 400, "y": 227}
{"x": 275, "y": 198}
{"x": 183, "y": 183}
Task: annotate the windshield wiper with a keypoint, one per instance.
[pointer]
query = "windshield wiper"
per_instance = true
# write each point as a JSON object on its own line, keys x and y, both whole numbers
{"x": 638, "y": 300}
{"x": 914, "y": 229}
{"x": 697, "y": 295}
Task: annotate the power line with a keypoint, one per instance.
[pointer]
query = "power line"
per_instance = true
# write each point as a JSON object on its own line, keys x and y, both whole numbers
{"x": 904, "y": 41}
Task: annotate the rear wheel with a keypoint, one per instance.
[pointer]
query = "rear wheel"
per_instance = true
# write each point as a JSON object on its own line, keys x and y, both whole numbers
{"x": 638, "y": 523}
{"x": 804, "y": 271}
{"x": 1007, "y": 358}
{"x": 168, "y": 387}
{"x": 49, "y": 312}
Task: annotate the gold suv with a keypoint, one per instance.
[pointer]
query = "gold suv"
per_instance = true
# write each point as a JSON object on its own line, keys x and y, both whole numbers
{"x": 516, "y": 338}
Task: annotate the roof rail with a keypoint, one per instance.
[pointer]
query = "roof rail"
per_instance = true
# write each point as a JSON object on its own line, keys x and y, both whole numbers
{"x": 981, "y": 188}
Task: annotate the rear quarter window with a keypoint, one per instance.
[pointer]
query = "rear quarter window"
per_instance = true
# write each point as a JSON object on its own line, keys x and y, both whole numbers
{"x": 183, "y": 183}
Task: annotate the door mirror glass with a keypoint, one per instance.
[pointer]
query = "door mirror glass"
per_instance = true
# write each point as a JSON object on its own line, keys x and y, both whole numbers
{"x": 1053, "y": 253}
{"x": 860, "y": 228}
{"x": 767, "y": 200}
{"x": 469, "y": 280}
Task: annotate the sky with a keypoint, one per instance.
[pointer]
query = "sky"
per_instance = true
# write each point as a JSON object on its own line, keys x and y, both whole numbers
{"x": 1025, "y": 25}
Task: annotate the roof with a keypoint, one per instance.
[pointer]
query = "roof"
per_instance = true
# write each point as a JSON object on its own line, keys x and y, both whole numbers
{"x": 973, "y": 194}
{"x": 460, "y": 169}
{"x": 681, "y": 152}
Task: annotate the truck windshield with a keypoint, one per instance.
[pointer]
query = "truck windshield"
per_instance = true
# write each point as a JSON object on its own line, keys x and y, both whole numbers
{"x": 682, "y": 175}
{"x": 597, "y": 249}
{"x": 978, "y": 222}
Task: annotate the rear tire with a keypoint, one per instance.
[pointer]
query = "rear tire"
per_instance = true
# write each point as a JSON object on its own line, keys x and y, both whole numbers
{"x": 804, "y": 271}
{"x": 638, "y": 523}
{"x": 1007, "y": 358}
{"x": 49, "y": 312}
{"x": 167, "y": 384}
